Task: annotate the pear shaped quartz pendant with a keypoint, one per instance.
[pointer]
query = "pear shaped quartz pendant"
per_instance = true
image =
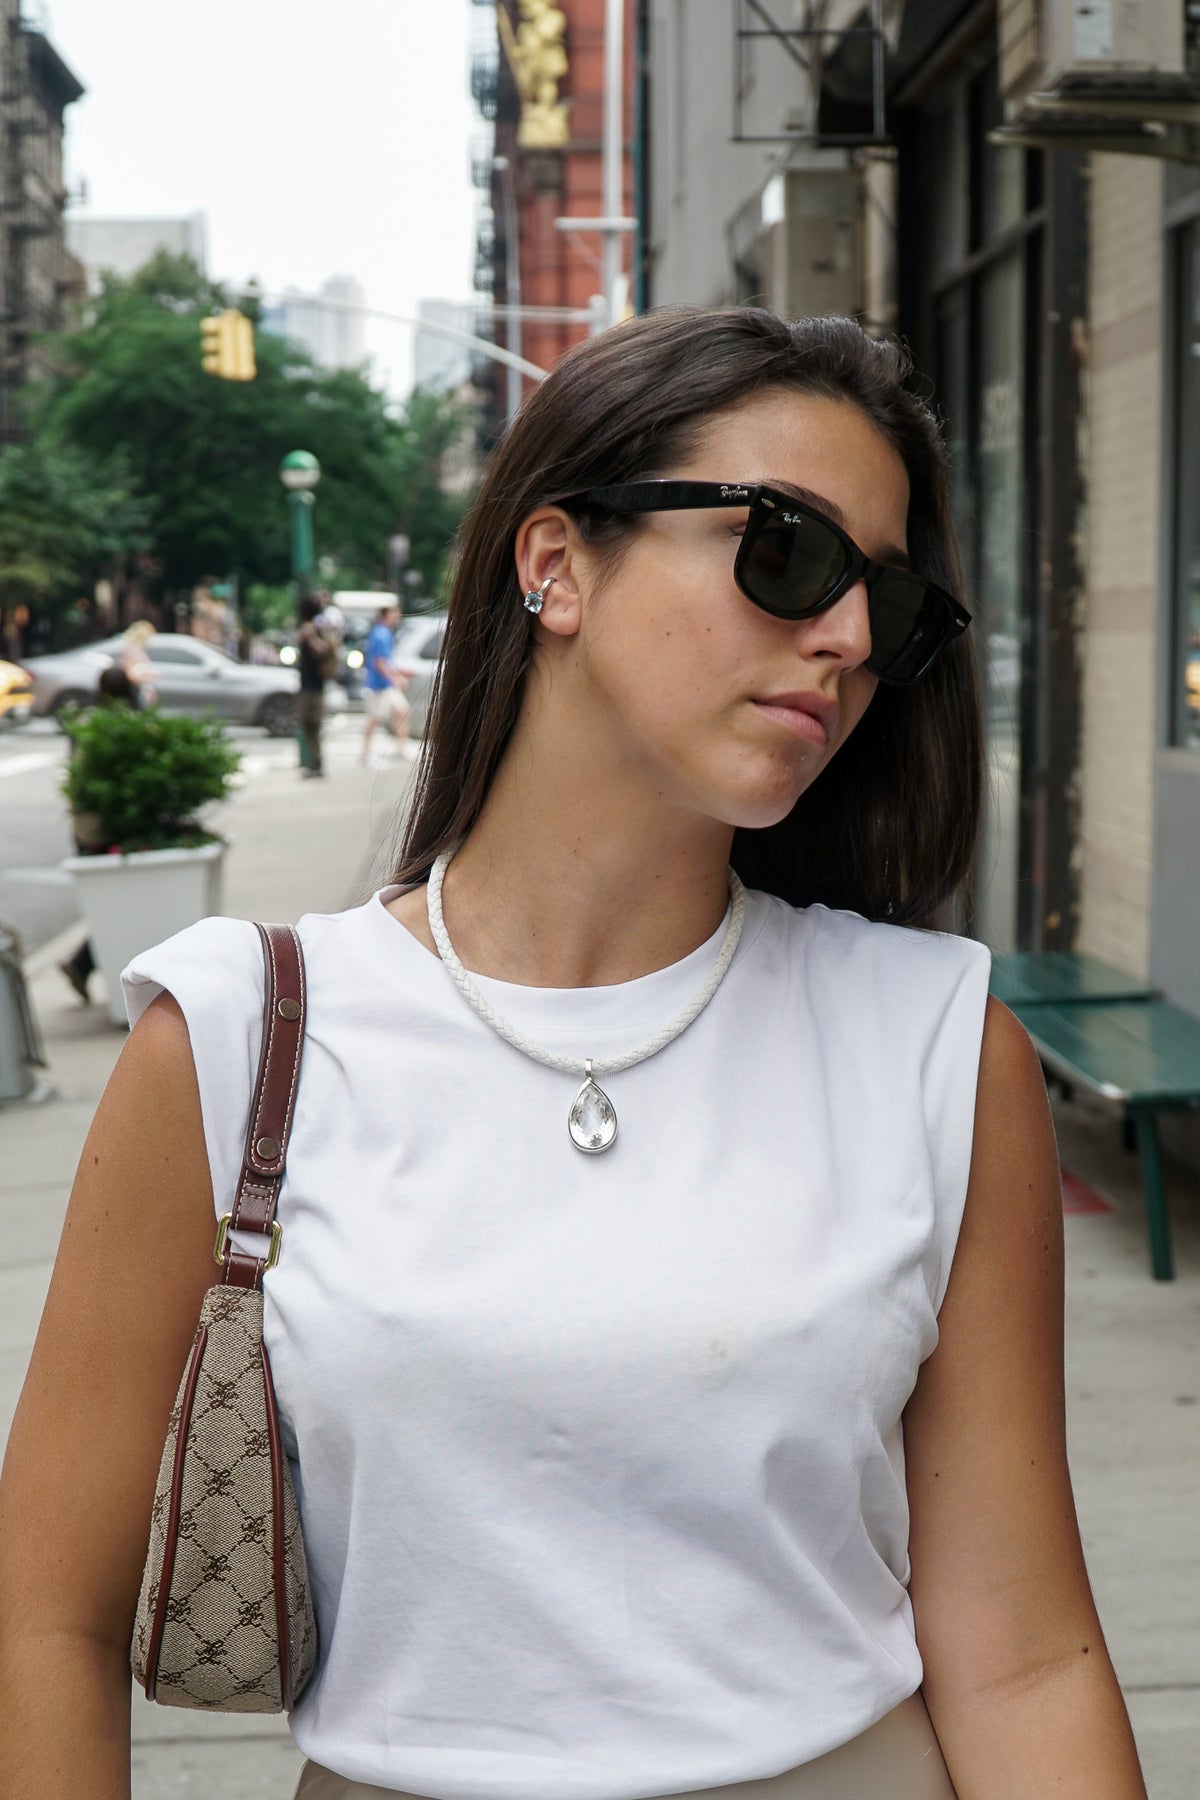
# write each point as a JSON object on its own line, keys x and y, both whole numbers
{"x": 592, "y": 1121}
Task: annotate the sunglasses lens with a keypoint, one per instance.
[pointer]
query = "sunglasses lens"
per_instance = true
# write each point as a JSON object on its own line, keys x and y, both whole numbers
{"x": 797, "y": 561}
{"x": 910, "y": 623}
{"x": 791, "y": 567}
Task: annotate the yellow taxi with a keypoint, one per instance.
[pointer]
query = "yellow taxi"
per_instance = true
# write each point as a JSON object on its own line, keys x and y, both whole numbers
{"x": 16, "y": 695}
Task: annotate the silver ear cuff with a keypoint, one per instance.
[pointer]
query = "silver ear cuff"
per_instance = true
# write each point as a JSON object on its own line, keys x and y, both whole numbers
{"x": 535, "y": 598}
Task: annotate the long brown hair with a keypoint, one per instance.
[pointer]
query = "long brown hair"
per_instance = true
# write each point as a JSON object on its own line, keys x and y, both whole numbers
{"x": 889, "y": 828}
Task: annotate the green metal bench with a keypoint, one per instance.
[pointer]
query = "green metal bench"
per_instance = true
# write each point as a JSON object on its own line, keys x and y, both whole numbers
{"x": 1141, "y": 1055}
{"x": 1060, "y": 977}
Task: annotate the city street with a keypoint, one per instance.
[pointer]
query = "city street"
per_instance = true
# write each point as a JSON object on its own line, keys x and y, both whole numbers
{"x": 282, "y": 392}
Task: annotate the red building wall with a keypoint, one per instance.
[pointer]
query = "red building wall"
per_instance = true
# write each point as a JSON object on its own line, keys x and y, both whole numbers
{"x": 558, "y": 270}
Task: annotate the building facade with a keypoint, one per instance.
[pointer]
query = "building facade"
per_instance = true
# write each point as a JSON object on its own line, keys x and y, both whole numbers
{"x": 538, "y": 82}
{"x": 123, "y": 246}
{"x": 331, "y": 324}
{"x": 38, "y": 276}
{"x": 439, "y": 360}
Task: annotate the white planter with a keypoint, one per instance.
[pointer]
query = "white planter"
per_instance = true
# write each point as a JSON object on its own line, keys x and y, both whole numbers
{"x": 131, "y": 902}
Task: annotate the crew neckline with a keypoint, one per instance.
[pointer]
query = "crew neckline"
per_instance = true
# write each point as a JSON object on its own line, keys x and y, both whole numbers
{"x": 619, "y": 1008}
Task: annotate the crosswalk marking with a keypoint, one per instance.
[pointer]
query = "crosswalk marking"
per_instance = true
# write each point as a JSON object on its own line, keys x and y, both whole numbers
{"x": 24, "y": 765}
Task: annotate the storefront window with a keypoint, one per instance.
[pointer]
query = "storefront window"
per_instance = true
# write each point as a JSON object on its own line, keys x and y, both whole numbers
{"x": 982, "y": 279}
{"x": 1002, "y": 168}
{"x": 954, "y": 393}
{"x": 1000, "y": 573}
{"x": 1185, "y": 673}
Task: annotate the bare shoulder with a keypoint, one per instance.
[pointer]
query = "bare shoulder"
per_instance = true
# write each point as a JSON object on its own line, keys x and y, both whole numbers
{"x": 1014, "y": 1163}
{"x": 144, "y": 1174}
{"x": 1008, "y": 1262}
{"x": 133, "y": 1262}
{"x": 1008, "y": 1060}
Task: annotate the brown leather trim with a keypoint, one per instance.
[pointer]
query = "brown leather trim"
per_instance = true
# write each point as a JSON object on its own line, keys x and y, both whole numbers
{"x": 241, "y": 1271}
{"x": 277, "y": 1538}
{"x": 271, "y": 1116}
{"x": 172, "y": 1533}
{"x": 274, "y": 1100}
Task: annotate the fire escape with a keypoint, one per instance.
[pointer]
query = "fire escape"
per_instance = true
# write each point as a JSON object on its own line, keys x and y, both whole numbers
{"x": 35, "y": 88}
{"x": 809, "y": 45}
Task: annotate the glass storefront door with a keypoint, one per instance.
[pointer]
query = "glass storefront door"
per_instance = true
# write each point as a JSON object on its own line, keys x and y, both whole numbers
{"x": 999, "y": 581}
{"x": 977, "y": 265}
{"x": 1184, "y": 700}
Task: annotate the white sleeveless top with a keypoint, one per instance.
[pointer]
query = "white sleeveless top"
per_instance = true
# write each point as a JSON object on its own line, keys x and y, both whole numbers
{"x": 599, "y": 1458}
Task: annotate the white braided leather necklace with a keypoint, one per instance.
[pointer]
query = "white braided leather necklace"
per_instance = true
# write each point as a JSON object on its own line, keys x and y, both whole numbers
{"x": 592, "y": 1120}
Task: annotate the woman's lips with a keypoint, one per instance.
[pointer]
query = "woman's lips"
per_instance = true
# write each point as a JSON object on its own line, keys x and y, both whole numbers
{"x": 807, "y": 716}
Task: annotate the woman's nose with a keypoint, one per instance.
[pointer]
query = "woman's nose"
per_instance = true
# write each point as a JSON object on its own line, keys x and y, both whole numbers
{"x": 842, "y": 630}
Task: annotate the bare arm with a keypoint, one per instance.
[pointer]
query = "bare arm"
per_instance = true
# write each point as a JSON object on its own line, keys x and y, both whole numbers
{"x": 1017, "y": 1676}
{"x": 78, "y": 1479}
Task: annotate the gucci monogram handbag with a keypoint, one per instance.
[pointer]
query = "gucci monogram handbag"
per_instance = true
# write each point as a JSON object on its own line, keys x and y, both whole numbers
{"x": 225, "y": 1616}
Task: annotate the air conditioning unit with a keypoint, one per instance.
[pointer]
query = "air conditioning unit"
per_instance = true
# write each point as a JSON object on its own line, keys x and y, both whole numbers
{"x": 1098, "y": 75}
{"x": 1056, "y": 46}
{"x": 809, "y": 245}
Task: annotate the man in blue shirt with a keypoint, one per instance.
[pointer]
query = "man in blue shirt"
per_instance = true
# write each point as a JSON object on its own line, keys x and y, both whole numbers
{"x": 383, "y": 683}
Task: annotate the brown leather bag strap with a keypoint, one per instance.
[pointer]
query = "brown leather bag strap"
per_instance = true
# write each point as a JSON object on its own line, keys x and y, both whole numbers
{"x": 271, "y": 1110}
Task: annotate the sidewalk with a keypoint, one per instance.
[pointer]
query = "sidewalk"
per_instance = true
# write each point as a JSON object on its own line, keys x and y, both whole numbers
{"x": 1133, "y": 1345}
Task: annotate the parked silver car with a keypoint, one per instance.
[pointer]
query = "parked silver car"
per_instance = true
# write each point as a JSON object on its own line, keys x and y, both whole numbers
{"x": 190, "y": 676}
{"x": 416, "y": 651}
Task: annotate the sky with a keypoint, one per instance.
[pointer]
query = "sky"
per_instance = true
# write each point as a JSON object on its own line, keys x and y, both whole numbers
{"x": 320, "y": 139}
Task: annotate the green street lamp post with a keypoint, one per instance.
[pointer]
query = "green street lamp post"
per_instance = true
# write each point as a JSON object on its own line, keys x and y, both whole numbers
{"x": 300, "y": 472}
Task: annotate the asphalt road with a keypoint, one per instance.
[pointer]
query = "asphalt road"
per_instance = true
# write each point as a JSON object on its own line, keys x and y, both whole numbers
{"x": 37, "y": 899}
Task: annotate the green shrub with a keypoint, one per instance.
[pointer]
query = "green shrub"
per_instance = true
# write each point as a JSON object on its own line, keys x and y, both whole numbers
{"x": 136, "y": 780}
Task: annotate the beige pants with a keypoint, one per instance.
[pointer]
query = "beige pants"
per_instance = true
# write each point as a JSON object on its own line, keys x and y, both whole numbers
{"x": 897, "y": 1759}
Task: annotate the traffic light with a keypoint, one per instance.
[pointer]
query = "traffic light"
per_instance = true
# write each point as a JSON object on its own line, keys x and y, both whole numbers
{"x": 227, "y": 345}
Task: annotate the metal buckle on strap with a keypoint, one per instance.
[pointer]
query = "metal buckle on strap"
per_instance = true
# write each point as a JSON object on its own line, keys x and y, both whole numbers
{"x": 222, "y": 1242}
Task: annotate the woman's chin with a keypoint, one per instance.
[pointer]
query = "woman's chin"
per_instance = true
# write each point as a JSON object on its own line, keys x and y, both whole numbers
{"x": 765, "y": 797}
{"x": 760, "y": 810}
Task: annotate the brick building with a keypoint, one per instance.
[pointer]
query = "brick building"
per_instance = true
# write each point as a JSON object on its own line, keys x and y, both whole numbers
{"x": 38, "y": 276}
{"x": 538, "y": 79}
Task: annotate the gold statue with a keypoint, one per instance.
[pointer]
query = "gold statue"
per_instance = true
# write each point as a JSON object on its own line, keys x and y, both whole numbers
{"x": 538, "y": 59}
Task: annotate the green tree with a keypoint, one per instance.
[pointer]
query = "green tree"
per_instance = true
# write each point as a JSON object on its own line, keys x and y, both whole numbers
{"x": 203, "y": 454}
{"x": 65, "y": 519}
{"x": 431, "y": 425}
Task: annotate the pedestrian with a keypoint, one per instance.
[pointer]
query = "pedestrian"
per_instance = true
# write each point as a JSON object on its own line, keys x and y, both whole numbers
{"x": 331, "y": 618}
{"x": 667, "y": 1333}
{"x": 318, "y": 664}
{"x": 383, "y": 682}
{"x": 135, "y": 663}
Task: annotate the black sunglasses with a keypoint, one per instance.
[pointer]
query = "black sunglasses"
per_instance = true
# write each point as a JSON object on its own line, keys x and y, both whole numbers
{"x": 793, "y": 562}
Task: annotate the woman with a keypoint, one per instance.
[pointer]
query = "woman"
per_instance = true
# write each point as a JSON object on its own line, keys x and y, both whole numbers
{"x": 675, "y": 1387}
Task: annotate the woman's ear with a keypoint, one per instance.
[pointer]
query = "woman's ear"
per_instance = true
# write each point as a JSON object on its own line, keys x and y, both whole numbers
{"x": 547, "y": 562}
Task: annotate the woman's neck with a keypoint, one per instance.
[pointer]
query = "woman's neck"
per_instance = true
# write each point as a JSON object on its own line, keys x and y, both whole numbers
{"x": 548, "y": 908}
{"x": 579, "y": 874}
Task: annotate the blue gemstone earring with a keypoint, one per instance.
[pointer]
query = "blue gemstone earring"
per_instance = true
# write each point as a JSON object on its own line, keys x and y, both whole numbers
{"x": 535, "y": 598}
